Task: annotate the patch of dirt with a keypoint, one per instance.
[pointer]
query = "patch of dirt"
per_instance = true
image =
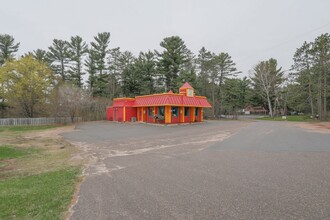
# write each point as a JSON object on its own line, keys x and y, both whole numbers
{"x": 319, "y": 127}
{"x": 53, "y": 152}
{"x": 6, "y": 166}
{"x": 67, "y": 214}
{"x": 50, "y": 133}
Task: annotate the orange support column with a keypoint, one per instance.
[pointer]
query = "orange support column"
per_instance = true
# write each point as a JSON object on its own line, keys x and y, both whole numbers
{"x": 142, "y": 114}
{"x": 154, "y": 114}
{"x": 181, "y": 114}
{"x": 145, "y": 114}
{"x": 201, "y": 115}
{"x": 192, "y": 114}
{"x": 168, "y": 115}
{"x": 124, "y": 114}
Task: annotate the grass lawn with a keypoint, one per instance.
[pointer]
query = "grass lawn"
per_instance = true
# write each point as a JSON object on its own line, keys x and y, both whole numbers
{"x": 37, "y": 174}
{"x": 296, "y": 118}
{"x": 43, "y": 196}
{"x": 8, "y": 152}
{"x": 26, "y": 128}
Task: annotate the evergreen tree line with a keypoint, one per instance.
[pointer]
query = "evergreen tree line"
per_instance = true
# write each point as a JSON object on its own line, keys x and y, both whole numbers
{"x": 112, "y": 73}
{"x": 310, "y": 77}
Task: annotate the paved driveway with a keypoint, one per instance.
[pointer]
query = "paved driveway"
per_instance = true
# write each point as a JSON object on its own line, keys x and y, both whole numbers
{"x": 214, "y": 170}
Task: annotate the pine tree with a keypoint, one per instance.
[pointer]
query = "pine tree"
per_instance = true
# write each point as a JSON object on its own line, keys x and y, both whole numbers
{"x": 100, "y": 48}
{"x": 232, "y": 97}
{"x": 8, "y": 48}
{"x": 172, "y": 60}
{"x": 204, "y": 69}
{"x": 77, "y": 49}
{"x": 321, "y": 61}
{"x": 302, "y": 71}
{"x": 225, "y": 67}
{"x": 59, "y": 57}
{"x": 90, "y": 64}
{"x": 114, "y": 73}
{"x": 145, "y": 67}
{"x": 130, "y": 79}
{"x": 311, "y": 76}
{"x": 41, "y": 55}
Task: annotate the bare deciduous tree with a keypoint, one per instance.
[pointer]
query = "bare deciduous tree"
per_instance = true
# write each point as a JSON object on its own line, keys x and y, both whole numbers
{"x": 71, "y": 101}
{"x": 266, "y": 78}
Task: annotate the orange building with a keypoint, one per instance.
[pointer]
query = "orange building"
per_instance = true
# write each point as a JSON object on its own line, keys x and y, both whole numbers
{"x": 168, "y": 108}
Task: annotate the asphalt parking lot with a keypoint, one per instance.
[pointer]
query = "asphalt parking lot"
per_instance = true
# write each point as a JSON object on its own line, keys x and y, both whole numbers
{"x": 213, "y": 170}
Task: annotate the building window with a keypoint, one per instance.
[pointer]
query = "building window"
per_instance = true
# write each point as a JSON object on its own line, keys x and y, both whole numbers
{"x": 161, "y": 110}
{"x": 150, "y": 111}
{"x": 190, "y": 92}
{"x": 196, "y": 111}
{"x": 175, "y": 111}
{"x": 186, "y": 111}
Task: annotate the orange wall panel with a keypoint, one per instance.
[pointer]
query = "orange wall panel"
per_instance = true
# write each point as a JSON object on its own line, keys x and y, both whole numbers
{"x": 181, "y": 114}
{"x": 168, "y": 115}
{"x": 192, "y": 114}
{"x": 145, "y": 114}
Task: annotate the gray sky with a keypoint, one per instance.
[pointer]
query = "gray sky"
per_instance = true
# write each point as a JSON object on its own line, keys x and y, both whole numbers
{"x": 249, "y": 30}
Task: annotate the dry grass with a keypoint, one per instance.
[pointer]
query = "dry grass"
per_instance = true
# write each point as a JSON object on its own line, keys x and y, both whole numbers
{"x": 53, "y": 152}
{"x": 319, "y": 127}
{"x": 51, "y": 166}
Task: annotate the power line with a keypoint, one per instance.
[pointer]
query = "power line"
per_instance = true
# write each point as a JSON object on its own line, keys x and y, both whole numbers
{"x": 313, "y": 30}
{"x": 298, "y": 36}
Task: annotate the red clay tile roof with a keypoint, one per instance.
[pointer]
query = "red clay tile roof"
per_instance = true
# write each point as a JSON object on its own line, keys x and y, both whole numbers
{"x": 171, "y": 99}
{"x": 162, "y": 99}
{"x": 186, "y": 86}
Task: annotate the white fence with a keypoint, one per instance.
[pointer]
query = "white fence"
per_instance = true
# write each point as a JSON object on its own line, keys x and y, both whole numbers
{"x": 37, "y": 121}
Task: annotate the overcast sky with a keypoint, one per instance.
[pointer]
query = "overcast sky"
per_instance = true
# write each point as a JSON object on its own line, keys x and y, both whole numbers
{"x": 249, "y": 30}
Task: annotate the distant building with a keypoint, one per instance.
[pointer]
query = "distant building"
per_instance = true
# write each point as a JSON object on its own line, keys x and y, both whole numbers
{"x": 255, "y": 110}
{"x": 167, "y": 108}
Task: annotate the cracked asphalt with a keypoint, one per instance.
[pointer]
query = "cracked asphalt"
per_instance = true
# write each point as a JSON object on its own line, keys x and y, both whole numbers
{"x": 213, "y": 170}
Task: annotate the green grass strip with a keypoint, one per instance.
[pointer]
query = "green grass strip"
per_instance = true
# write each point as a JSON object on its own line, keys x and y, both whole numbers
{"x": 9, "y": 152}
{"x": 288, "y": 118}
{"x": 42, "y": 196}
{"x": 26, "y": 128}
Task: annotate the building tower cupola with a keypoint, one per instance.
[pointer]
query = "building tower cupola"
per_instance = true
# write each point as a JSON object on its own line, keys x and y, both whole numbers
{"x": 187, "y": 90}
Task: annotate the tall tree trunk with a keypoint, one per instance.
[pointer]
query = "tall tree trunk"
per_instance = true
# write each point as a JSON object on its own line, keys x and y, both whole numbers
{"x": 310, "y": 97}
{"x": 219, "y": 102}
{"x": 2, "y": 110}
{"x": 325, "y": 97}
{"x": 285, "y": 101}
{"x": 62, "y": 70}
{"x": 269, "y": 105}
{"x": 319, "y": 98}
{"x": 311, "y": 102}
{"x": 220, "y": 93}
{"x": 275, "y": 106}
{"x": 113, "y": 88}
{"x": 79, "y": 74}
{"x": 2, "y": 102}
{"x": 213, "y": 101}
